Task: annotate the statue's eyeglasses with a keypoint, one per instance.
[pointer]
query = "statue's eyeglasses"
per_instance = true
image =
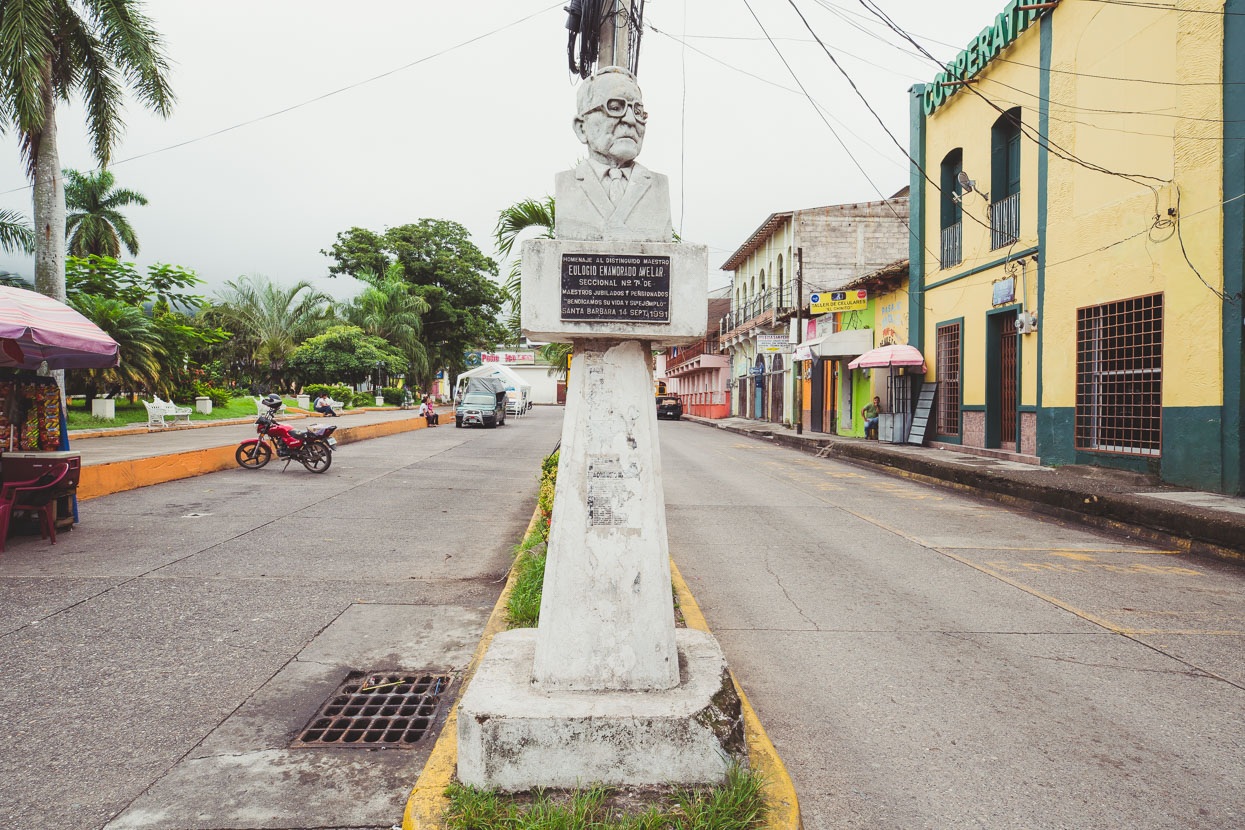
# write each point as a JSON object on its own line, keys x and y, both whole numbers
{"x": 617, "y": 108}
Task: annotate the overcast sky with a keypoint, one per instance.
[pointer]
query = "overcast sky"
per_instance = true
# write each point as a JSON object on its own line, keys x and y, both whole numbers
{"x": 462, "y": 135}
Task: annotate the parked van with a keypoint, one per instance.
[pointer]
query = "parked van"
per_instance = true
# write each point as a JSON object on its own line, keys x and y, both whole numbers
{"x": 483, "y": 403}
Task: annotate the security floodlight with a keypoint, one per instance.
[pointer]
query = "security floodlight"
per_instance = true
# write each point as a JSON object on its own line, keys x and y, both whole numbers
{"x": 969, "y": 186}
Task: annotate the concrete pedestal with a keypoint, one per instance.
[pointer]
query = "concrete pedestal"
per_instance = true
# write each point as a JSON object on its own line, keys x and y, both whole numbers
{"x": 203, "y": 405}
{"x": 606, "y": 620}
{"x": 515, "y": 735}
{"x": 105, "y": 408}
{"x": 380, "y": 400}
{"x": 304, "y": 402}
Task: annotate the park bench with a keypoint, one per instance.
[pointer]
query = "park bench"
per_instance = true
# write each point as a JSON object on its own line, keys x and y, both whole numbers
{"x": 262, "y": 409}
{"x": 158, "y": 411}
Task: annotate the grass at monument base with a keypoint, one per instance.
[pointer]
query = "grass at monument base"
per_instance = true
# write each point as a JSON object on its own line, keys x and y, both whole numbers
{"x": 738, "y": 804}
{"x": 759, "y": 796}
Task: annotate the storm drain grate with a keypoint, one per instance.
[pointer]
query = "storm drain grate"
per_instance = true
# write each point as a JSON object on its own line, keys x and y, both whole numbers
{"x": 378, "y": 709}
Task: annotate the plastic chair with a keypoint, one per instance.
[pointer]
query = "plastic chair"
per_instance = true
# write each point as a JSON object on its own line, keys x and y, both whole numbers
{"x": 36, "y": 495}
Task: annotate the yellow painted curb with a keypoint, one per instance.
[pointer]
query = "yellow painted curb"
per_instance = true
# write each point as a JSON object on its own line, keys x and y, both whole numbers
{"x": 784, "y": 807}
{"x": 105, "y": 479}
{"x": 427, "y": 803}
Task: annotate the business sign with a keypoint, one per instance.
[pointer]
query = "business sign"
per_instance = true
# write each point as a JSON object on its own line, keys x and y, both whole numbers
{"x": 981, "y": 50}
{"x": 831, "y": 301}
{"x": 756, "y": 370}
{"x": 774, "y": 344}
{"x": 802, "y": 353}
{"x": 508, "y": 358}
{"x": 1004, "y": 291}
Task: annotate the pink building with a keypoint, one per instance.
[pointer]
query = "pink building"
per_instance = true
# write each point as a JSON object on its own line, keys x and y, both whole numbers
{"x": 703, "y": 369}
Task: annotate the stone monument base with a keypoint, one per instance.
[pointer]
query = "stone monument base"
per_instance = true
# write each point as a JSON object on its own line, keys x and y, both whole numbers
{"x": 514, "y": 736}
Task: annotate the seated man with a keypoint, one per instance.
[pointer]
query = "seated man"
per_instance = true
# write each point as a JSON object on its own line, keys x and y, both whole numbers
{"x": 870, "y": 414}
{"x": 426, "y": 410}
{"x": 322, "y": 406}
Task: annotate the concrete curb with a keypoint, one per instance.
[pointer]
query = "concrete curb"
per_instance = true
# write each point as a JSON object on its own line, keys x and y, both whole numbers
{"x": 105, "y": 479}
{"x": 427, "y": 802}
{"x": 1175, "y": 526}
{"x": 112, "y": 432}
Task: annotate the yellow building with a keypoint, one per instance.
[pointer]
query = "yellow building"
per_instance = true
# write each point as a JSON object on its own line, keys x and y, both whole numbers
{"x": 1076, "y": 270}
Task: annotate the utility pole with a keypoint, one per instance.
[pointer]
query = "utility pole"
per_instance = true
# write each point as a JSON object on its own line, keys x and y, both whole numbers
{"x": 615, "y": 45}
{"x": 799, "y": 339}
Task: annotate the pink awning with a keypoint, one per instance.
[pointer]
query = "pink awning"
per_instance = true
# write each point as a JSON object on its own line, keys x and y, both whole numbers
{"x": 35, "y": 328}
{"x": 886, "y": 356}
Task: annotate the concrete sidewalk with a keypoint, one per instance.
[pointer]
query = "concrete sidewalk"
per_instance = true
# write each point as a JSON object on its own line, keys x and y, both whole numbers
{"x": 1193, "y": 520}
{"x": 106, "y": 449}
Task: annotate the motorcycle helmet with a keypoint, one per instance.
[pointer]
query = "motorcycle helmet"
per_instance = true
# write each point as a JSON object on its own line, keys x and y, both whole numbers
{"x": 273, "y": 401}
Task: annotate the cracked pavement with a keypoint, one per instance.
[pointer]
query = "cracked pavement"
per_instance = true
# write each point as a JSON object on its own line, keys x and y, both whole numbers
{"x": 922, "y": 659}
{"x": 160, "y": 658}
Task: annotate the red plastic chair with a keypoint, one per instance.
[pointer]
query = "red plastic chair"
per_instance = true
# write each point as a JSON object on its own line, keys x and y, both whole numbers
{"x": 36, "y": 495}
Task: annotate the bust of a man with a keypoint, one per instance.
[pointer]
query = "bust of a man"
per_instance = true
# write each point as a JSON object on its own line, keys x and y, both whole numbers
{"x": 609, "y": 196}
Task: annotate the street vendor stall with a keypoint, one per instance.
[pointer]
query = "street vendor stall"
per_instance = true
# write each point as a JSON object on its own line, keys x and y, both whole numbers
{"x": 37, "y": 333}
{"x": 901, "y": 362}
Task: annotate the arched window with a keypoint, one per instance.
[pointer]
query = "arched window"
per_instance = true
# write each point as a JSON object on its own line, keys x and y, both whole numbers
{"x": 762, "y": 280}
{"x": 1005, "y": 155}
{"x": 1005, "y": 179}
{"x": 779, "y": 284}
{"x": 952, "y": 212}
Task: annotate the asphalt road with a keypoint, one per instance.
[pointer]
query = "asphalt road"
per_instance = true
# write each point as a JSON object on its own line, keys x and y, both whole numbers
{"x": 926, "y": 660}
{"x": 159, "y": 660}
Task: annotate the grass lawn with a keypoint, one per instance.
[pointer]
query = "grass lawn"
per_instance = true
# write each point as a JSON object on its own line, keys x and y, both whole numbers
{"x": 737, "y": 804}
{"x": 79, "y": 416}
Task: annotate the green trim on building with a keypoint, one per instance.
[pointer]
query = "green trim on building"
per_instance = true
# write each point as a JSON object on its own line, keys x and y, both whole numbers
{"x": 916, "y": 219}
{"x": 1016, "y": 257}
{"x": 1232, "y": 439}
{"x": 1190, "y": 447}
{"x": 972, "y": 407}
{"x": 1044, "y": 421}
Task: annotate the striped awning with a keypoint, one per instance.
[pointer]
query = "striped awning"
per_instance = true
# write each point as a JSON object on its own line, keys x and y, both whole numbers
{"x": 35, "y": 328}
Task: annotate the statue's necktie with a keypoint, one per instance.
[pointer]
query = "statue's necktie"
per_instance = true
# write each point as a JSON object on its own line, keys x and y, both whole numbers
{"x": 618, "y": 184}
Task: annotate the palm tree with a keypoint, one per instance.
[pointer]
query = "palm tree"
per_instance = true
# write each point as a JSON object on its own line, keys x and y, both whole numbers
{"x": 511, "y": 223}
{"x": 15, "y": 235}
{"x": 268, "y": 321}
{"x": 389, "y": 310}
{"x": 141, "y": 349}
{"x": 95, "y": 226}
{"x": 51, "y": 51}
{"x": 555, "y": 355}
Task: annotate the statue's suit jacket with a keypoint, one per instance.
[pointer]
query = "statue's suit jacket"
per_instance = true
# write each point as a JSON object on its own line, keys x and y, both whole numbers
{"x": 584, "y": 210}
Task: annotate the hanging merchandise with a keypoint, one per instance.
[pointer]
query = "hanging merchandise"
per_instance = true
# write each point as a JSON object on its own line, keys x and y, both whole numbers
{"x": 30, "y": 414}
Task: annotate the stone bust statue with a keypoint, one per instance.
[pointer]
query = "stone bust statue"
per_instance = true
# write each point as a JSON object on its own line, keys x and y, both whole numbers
{"x": 608, "y": 196}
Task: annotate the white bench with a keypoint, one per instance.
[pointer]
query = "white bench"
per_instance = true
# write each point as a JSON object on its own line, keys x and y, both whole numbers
{"x": 337, "y": 406}
{"x": 158, "y": 411}
{"x": 262, "y": 408}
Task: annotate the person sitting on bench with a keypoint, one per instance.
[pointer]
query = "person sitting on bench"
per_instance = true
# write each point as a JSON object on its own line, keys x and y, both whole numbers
{"x": 322, "y": 406}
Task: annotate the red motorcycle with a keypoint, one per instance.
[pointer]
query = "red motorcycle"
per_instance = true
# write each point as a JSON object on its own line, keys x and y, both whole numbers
{"x": 312, "y": 447}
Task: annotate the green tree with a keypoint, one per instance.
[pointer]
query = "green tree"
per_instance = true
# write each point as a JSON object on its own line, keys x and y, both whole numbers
{"x": 50, "y": 51}
{"x": 512, "y": 222}
{"x": 446, "y": 270}
{"x": 267, "y": 321}
{"x": 143, "y": 353}
{"x": 345, "y": 353}
{"x": 164, "y": 286}
{"x": 388, "y": 309}
{"x": 15, "y": 235}
{"x": 95, "y": 224}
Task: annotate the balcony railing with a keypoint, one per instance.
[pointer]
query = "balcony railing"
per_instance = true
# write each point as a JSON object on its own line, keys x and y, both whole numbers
{"x": 1005, "y": 221}
{"x": 777, "y": 298}
{"x": 682, "y": 354}
{"x": 952, "y": 245}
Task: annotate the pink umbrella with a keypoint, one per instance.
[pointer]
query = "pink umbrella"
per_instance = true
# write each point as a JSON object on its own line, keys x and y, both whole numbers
{"x": 35, "y": 328}
{"x": 885, "y": 356}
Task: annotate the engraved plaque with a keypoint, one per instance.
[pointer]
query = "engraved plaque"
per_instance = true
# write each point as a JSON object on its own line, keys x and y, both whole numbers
{"x": 616, "y": 287}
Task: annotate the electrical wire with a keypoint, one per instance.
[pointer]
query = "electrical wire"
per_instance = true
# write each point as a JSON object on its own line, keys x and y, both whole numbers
{"x": 683, "y": 129}
{"x": 1165, "y": 8}
{"x": 824, "y": 109}
{"x": 318, "y": 98}
{"x": 907, "y": 225}
{"x": 1035, "y": 136}
{"x": 1151, "y": 113}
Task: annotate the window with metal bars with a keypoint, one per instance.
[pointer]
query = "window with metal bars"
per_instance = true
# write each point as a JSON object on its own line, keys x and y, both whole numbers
{"x": 948, "y": 368}
{"x": 1119, "y": 376}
